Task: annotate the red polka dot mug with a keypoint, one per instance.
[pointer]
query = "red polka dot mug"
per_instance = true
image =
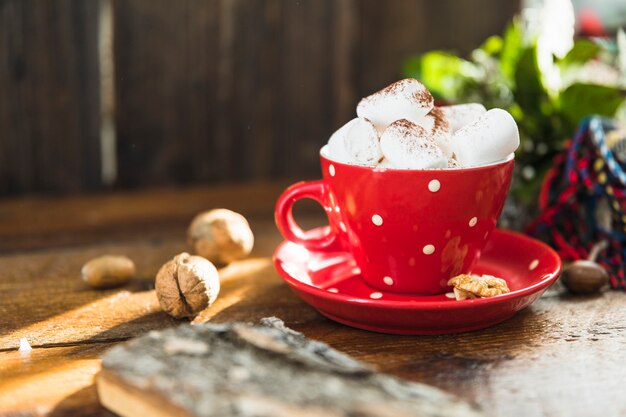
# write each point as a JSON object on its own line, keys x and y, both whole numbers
{"x": 408, "y": 230}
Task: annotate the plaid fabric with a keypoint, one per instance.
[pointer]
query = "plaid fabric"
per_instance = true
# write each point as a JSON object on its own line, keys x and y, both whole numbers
{"x": 583, "y": 198}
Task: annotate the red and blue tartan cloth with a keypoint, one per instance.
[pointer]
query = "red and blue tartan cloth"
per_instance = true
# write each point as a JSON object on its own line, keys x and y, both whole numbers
{"x": 583, "y": 198}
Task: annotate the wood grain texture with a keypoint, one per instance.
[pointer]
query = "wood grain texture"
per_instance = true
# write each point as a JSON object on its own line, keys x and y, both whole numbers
{"x": 389, "y": 35}
{"x": 49, "y": 97}
{"x": 52, "y": 382}
{"x": 99, "y": 218}
{"x": 166, "y": 65}
{"x": 205, "y": 91}
{"x": 234, "y": 89}
{"x": 560, "y": 357}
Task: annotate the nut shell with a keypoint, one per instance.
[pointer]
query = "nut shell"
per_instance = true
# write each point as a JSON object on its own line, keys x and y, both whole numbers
{"x": 584, "y": 277}
{"x": 108, "y": 271}
{"x": 186, "y": 285}
{"x": 221, "y": 236}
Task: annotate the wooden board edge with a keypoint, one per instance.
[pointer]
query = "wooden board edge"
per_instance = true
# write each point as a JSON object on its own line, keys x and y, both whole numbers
{"x": 124, "y": 399}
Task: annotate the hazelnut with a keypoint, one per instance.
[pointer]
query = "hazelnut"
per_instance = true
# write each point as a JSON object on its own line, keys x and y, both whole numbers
{"x": 108, "y": 271}
{"x": 186, "y": 285}
{"x": 220, "y": 235}
{"x": 584, "y": 277}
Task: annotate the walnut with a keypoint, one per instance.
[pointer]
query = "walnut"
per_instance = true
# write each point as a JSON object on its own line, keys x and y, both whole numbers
{"x": 472, "y": 286}
{"x": 187, "y": 285}
{"x": 108, "y": 271}
{"x": 460, "y": 294}
{"x": 220, "y": 235}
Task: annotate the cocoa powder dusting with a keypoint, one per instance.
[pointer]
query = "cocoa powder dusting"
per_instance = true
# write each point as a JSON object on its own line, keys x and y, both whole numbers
{"x": 441, "y": 123}
{"x": 423, "y": 97}
{"x": 404, "y": 128}
{"x": 403, "y": 88}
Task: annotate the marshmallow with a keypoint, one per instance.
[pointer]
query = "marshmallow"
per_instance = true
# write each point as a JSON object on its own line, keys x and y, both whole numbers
{"x": 407, "y": 145}
{"x": 404, "y": 99}
{"x": 436, "y": 124}
{"x": 336, "y": 144}
{"x": 490, "y": 138}
{"x": 362, "y": 143}
{"x": 385, "y": 164}
{"x": 356, "y": 142}
{"x": 462, "y": 114}
{"x": 453, "y": 163}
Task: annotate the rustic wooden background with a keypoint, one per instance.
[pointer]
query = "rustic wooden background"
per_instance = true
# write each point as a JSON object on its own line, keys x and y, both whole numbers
{"x": 204, "y": 90}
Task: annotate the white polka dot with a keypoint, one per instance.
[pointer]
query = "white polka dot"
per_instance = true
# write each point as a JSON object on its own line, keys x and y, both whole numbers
{"x": 411, "y": 261}
{"x": 335, "y": 290}
{"x": 377, "y": 220}
{"x": 388, "y": 280}
{"x": 376, "y": 295}
{"x": 450, "y": 295}
{"x": 331, "y": 170}
{"x": 533, "y": 264}
{"x": 434, "y": 186}
{"x": 428, "y": 249}
{"x": 342, "y": 226}
{"x": 473, "y": 221}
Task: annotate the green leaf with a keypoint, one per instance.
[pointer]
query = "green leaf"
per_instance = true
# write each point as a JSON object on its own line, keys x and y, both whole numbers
{"x": 512, "y": 48}
{"x": 444, "y": 74}
{"x": 580, "y": 100}
{"x": 493, "y": 45}
{"x": 583, "y": 51}
{"x": 529, "y": 91}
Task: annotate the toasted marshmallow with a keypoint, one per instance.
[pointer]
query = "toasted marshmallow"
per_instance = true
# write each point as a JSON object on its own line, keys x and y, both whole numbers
{"x": 436, "y": 124}
{"x": 407, "y": 145}
{"x": 404, "y": 99}
{"x": 362, "y": 143}
{"x": 462, "y": 114}
{"x": 490, "y": 138}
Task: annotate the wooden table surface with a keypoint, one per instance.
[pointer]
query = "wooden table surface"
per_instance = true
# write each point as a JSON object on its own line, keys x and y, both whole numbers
{"x": 563, "y": 356}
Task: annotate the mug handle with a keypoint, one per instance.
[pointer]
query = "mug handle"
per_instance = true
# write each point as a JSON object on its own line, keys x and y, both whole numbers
{"x": 315, "y": 190}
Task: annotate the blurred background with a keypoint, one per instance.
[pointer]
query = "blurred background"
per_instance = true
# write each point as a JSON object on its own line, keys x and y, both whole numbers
{"x": 99, "y": 94}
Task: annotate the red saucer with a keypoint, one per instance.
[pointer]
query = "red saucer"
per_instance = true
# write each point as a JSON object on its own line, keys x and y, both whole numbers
{"x": 330, "y": 282}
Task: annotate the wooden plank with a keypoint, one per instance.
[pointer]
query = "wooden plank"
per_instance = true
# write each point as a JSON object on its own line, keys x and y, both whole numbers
{"x": 345, "y": 69}
{"x": 36, "y": 222}
{"x": 54, "y": 381}
{"x": 49, "y": 96}
{"x": 166, "y": 68}
{"x": 388, "y": 35}
{"x": 305, "y": 95}
{"x": 391, "y": 34}
{"x": 472, "y": 22}
{"x": 45, "y": 300}
{"x": 206, "y": 91}
{"x": 247, "y": 87}
{"x": 559, "y": 357}
{"x": 252, "y": 89}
